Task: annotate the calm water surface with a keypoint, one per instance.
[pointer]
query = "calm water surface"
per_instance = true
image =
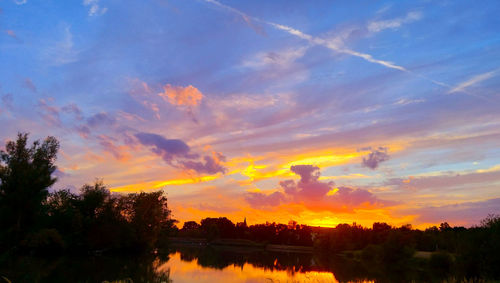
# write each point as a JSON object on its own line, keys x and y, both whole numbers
{"x": 191, "y": 271}
{"x": 207, "y": 265}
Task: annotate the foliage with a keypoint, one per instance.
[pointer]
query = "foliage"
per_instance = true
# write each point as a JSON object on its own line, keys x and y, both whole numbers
{"x": 97, "y": 220}
{"x": 223, "y": 228}
{"x": 25, "y": 176}
{"x": 34, "y": 220}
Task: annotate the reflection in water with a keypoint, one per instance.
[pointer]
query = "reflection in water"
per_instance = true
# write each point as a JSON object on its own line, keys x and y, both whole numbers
{"x": 85, "y": 269}
{"x": 184, "y": 269}
{"x": 188, "y": 264}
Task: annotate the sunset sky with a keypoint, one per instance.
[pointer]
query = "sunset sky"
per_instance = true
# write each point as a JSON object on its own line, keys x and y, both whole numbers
{"x": 323, "y": 112}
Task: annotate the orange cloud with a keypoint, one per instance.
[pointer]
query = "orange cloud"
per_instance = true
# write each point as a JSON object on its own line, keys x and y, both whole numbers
{"x": 182, "y": 96}
{"x": 316, "y": 195}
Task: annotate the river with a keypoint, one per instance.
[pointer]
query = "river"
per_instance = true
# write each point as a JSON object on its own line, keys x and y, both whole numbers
{"x": 214, "y": 265}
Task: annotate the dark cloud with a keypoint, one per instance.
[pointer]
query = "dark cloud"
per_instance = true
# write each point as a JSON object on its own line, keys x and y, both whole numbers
{"x": 375, "y": 157}
{"x": 210, "y": 164}
{"x": 314, "y": 194}
{"x": 166, "y": 148}
{"x": 72, "y": 109}
{"x": 177, "y": 153}
{"x": 100, "y": 119}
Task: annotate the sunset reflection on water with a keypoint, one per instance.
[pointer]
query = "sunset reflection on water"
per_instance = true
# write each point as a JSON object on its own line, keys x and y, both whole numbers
{"x": 191, "y": 271}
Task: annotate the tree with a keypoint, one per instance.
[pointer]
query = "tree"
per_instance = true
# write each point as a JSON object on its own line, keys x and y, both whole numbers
{"x": 150, "y": 218}
{"x": 25, "y": 176}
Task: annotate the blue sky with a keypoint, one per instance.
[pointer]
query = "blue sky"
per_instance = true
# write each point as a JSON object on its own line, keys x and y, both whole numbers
{"x": 394, "y": 102}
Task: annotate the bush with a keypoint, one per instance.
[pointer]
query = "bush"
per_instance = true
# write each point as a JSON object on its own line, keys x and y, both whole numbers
{"x": 441, "y": 262}
{"x": 45, "y": 241}
{"x": 371, "y": 253}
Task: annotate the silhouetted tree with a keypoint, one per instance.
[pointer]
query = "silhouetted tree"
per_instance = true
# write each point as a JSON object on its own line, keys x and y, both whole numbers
{"x": 25, "y": 176}
{"x": 190, "y": 225}
{"x": 150, "y": 217}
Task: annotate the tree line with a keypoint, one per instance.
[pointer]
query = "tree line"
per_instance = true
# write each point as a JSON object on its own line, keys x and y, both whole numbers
{"x": 268, "y": 233}
{"x": 93, "y": 220}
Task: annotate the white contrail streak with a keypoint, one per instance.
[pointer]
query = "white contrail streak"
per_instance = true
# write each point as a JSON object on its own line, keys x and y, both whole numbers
{"x": 472, "y": 81}
{"x": 330, "y": 44}
{"x": 311, "y": 39}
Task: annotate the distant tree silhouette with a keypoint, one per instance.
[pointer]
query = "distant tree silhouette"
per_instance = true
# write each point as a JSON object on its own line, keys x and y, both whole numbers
{"x": 25, "y": 176}
{"x": 190, "y": 225}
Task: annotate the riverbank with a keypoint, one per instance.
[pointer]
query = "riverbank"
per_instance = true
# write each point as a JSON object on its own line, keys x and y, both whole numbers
{"x": 239, "y": 244}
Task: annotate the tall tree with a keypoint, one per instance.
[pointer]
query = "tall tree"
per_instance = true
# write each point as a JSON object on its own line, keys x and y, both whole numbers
{"x": 25, "y": 176}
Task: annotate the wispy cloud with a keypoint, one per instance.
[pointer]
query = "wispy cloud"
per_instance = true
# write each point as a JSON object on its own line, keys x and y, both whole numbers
{"x": 142, "y": 92}
{"x": 94, "y": 7}
{"x": 62, "y": 51}
{"x": 337, "y": 45}
{"x": 406, "y": 101}
{"x": 7, "y": 101}
{"x": 20, "y": 2}
{"x": 377, "y": 26}
{"x": 49, "y": 112}
{"x": 28, "y": 83}
{"x": 330, "y": 44}
{"x": 280, "y": 59}
{"x": 465, "y": 213}
{"x": 461, "y": 87}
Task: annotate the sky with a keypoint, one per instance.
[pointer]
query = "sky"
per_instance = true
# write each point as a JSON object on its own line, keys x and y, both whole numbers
{"x": 322, "y": 112}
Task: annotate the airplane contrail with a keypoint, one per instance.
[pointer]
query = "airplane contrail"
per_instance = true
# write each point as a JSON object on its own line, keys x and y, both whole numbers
{"x": 311, "y": 39}
{"x": 331, "y": 45}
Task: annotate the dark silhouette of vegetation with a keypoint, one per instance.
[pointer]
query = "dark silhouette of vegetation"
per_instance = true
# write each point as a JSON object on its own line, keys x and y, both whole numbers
{"x": 25, "y": 176}
{"x": 104, "y": 268}
{"x": 36, "y": 221}
{"x": 269, "y": 233}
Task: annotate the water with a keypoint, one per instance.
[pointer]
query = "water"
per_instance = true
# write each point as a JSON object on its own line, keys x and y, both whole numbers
{"x": 191, "y": 271}
{"x": 207, "y": 265}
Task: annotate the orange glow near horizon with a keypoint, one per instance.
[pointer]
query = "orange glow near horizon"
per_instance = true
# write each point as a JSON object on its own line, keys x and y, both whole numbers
{"x": 159, "y": 184}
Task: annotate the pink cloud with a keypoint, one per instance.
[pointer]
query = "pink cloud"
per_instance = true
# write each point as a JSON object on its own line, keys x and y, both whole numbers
{"x": 120, "y": 152}
{"x": 181, "y": 96}
{"x": 314, "y": 194}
